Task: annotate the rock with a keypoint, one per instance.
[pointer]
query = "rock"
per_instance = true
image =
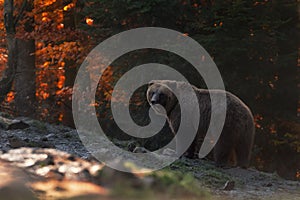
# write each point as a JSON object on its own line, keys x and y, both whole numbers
{"x": 131, "y": 146}
{"x": 13, "y": 183}
{"x": 268, "y": 184}
{"x": 140, "y": 150}
{"x": 9, "y": 124}
{"x": 229, "y": 185}
{"x": 169, "y": 152}
{"x": 41, "y": 179}
{"x": 52, "y": 163}
{"x": 16, "y": 124}
{"x": 16, "y": 142}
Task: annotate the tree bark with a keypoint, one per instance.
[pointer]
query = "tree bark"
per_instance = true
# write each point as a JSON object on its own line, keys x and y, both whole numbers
{"x": 70, "y": 65}
{"x": 7, "y": 80}
{"x": 70, "y": 68}
{"x": 21, "y": 60}
{"x": 25, "y": 78}
{"x": 25, "y": 71}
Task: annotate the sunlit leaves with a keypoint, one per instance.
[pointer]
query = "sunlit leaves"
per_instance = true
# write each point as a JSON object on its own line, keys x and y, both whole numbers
{"x": 57, "y": 53}
{"x": 41, "y": 3}
{"x": 69, "y": 6}
{"x": 298, "y": 175}
{"x": 89, "y": 21}
{"x": 10, "y": 97}
{"x": 60, "y": 26}
{"x": 3, "y": 49}
{"x": 61, "y": 81}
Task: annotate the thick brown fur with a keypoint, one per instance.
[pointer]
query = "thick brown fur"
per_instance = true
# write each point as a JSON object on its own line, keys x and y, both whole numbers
{"x": 237, "y": 136}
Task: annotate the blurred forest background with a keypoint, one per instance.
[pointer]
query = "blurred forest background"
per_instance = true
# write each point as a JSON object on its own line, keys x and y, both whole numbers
{"x": 255, "y": 44}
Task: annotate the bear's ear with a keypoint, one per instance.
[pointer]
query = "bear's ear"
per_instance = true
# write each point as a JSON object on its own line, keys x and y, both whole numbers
{"x": 151, "y": 83}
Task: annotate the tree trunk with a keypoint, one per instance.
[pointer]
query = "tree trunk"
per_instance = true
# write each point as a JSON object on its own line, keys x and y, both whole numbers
{"x": 7, "y": 80}
{"x": 25, "y": 71}
{"x": 21, "y": 60}
{"x": 25, "y": 78}
{"x": 70, "y": 69}
{"x": 70, "y": 65}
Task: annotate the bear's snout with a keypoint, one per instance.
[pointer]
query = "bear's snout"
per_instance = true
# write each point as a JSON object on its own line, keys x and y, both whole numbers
{"x": 154, "y": 99}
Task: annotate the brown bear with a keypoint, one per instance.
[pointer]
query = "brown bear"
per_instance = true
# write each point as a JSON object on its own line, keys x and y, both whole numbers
{"x": 236, "y": 140}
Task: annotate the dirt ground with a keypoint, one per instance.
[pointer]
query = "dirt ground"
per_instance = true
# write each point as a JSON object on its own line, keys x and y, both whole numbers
{"x": 55, "y": 160}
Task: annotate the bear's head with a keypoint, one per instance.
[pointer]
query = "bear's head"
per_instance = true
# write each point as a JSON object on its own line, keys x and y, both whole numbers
{"x": 160, "y": 93}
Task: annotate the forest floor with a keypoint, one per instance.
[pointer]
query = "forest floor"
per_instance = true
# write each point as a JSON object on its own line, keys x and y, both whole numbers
{"x": 44, "y": 161}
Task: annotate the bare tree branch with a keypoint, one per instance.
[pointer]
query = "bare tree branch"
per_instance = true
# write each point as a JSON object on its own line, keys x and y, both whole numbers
{"x": 22, "y": 9}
